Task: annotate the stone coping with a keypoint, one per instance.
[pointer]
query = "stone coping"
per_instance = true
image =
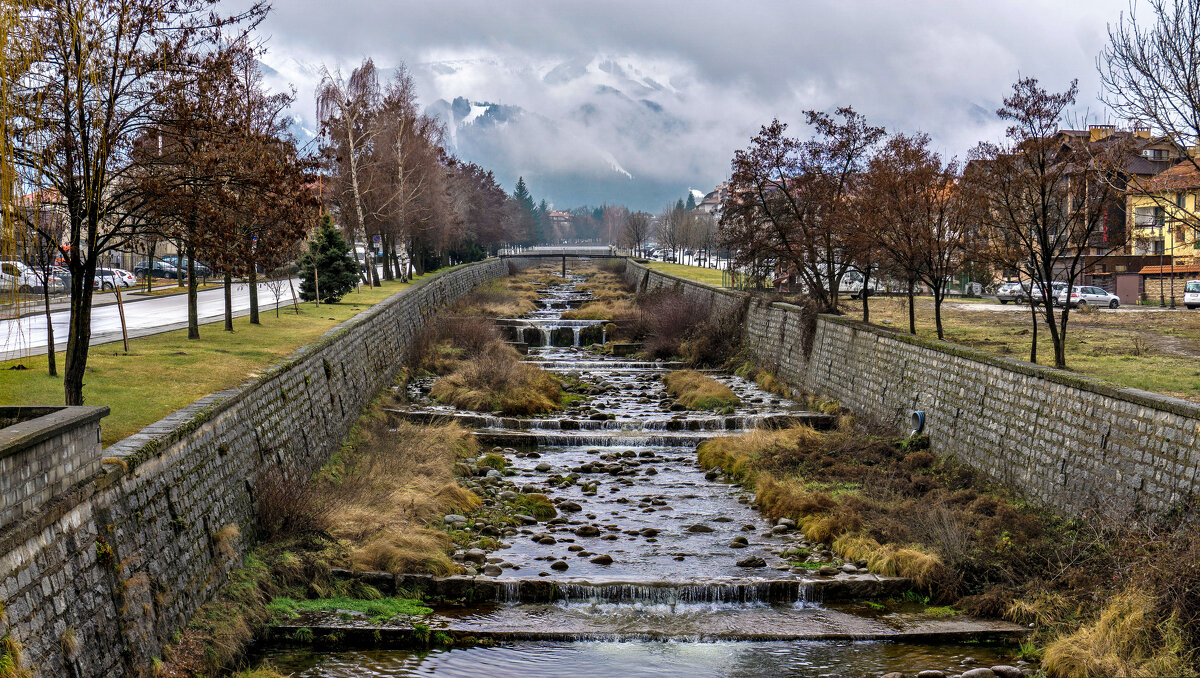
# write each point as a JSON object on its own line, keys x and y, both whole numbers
{"x": 1157, "y": 401}
{"x": 39, "y": 423}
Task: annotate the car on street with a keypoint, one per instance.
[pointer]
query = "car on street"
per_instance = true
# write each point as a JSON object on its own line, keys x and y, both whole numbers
{"x": 16, "y": 276}
{"x": 126, "y": 277}
{"x": 1012, "y": 291}
{"x": 159, "y": 269}
{"x": 1191, "y": 294}
{"x": 1056, "y": 290}
{"x": 108, "y": 279}
{"x": 1088, "y": 295}
{"x": 177, "y": 261}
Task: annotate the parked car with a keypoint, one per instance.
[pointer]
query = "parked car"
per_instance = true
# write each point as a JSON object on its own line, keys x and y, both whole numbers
{"x": 1086, "y": 295}
{"x": 177, "y": 261}
{"x": 1191, "y": 294}
{"x": 852, "y": 284}
{"x": 159, "y": 269}
{"x": 126, "y": 277}
{"x": 108, "y": 279}
{"x": 1012, "y": 291}
{"x": 1056, "y": 290}
{"x": 19, "y": 277}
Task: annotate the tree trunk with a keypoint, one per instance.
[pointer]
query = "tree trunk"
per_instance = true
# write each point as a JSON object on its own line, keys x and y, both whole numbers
{"x": 865, "y": 296}
{"x": 1033, "y": 343}
{"x": 228, "y": 301}
{"x": 939, "y": 295}
{"x": 179, "y": 265}
{"x": 386, "y": 242}
{"x": 253, "y": 281}
{"x": 193, "y": 320}
{"x": 50, "y": 356}
{"x": 912, "y": 310}
{"x": 79, "y": 332}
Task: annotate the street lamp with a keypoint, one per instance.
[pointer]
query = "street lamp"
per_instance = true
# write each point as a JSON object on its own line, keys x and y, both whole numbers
{"x": 1162, "y": 232}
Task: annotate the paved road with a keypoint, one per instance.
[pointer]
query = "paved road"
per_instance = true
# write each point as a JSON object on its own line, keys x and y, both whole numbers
{"x": 1024, "y": 308}
{"x": 27, "y": 336}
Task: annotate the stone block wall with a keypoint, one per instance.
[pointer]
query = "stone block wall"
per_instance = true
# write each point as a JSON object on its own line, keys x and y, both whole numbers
{"x": 1061, "y": 440}
{"x": 122, "y": 560}
{"x": 45, "y": 451}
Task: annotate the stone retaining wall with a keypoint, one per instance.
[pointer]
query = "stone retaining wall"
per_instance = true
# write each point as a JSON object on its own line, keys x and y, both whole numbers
{"x": 122, "y": 560}
{"x": 1060, "y": 439}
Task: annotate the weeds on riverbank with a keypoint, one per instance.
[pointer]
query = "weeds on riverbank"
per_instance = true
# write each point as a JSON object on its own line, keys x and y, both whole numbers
{"x": 497, "y": 380}
{"x": 1105, "y": 598}
{"x": 697, "y": 391}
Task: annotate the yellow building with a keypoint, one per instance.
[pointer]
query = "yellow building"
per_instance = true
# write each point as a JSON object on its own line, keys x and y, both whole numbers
{"x": 1164, "y": 213}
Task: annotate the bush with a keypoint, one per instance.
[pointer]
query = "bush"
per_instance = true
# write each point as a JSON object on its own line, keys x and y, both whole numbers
{"x": 288, "y": 505}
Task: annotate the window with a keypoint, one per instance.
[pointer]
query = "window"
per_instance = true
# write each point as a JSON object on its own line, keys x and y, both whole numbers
{"x": 8, "y": 269}
{"x": 1158, "y": 247}
{"x": 1155, "y": 153}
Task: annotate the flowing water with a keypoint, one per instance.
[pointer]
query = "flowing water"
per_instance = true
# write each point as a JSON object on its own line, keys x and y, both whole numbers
{"x": 658, "y": 568}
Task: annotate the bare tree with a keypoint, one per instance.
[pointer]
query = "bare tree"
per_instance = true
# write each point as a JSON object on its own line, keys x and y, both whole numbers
{"x": 94, "y": 90}
{"x": 346, "y": 109}
{"x": 1047, "y": 199}
{"x": 636, "y": 232}
{"x": 789, "y": 199}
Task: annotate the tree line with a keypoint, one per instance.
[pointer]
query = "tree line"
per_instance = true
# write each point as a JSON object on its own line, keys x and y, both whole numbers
{"x": 129, "y": 123}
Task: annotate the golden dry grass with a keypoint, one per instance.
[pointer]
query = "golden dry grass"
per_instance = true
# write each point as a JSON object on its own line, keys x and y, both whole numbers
{"x": 601, "y": 310}
{"x": 910, "y": 562}
{"x": 498, "y": 381}
{"x": 697, "y": 391}
{"x": 390, "y": 487}
{"x": 1125, "y": 640}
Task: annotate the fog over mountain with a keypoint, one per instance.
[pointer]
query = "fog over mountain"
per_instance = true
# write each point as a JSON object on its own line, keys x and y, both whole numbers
{"x": 635, "y": 103}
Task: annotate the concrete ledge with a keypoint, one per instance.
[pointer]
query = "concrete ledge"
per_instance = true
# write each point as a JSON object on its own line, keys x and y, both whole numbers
{"x": 38, "y": 423}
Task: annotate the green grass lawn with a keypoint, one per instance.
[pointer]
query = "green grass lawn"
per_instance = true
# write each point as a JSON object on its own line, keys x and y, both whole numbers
{"x": 164, "y": 372}
{"x": 708, "y": 276}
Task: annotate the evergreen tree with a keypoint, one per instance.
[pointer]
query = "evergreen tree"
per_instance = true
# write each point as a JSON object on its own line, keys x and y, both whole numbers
{"x": 329, "y": 254}
{"x": 529, "y": 216}
{"x": 691, "y": 202}
{"x": 679, "y": 204}
{"x": 542, "y": 217}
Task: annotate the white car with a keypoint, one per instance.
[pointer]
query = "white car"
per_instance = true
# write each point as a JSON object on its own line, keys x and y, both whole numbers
{"x": 126, "y": 277}
{"x": 1057, "y": 289}
{"x": 1191, "y": 294}
{"x": 1086, "y": 295}
{"x": 1012, "y": 291}
{"x": 19, "y": 277}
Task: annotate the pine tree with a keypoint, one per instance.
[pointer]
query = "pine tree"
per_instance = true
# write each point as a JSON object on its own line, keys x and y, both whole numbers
{"x": 529, "y": 214}
{"x": 329, "y": 254}
{"x": 543, "y": 229}
{"x": 679, "y": 204}
{"x": 691, "y": 201}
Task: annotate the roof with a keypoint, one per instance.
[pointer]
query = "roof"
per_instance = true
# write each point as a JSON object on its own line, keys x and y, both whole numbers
{"x": 1167, "y": 270}
{"x": 1183, "y": 176}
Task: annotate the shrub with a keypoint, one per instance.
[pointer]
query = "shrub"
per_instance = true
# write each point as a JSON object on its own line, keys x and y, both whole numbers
{"x": 288, "y": 505}
{"x": 329, "y": 256}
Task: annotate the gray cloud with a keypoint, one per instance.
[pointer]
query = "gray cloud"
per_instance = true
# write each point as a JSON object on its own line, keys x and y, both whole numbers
{"x": 667, "y": 91}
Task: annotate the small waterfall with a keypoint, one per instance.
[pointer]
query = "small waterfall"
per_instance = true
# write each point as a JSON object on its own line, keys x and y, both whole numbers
{"x": 768, "y": 592}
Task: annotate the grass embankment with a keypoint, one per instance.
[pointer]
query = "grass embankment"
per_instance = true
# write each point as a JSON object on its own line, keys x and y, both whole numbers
{"x": 1155, "y": 351}
{"x": 497, "y": 380}
{"x": 1113, "y": 601}
{"x": 164, "y": 372}
{"x": 368, "y": 508}
{"x": 697, "y": 391}
{"x": 708, "y": 276}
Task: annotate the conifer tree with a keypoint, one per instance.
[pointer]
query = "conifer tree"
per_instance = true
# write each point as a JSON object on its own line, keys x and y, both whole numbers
{"x": 329, "y": 255}
{"x": 691, "y": 202}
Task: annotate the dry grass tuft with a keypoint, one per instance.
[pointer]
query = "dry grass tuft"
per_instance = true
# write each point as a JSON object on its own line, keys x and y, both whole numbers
{"x": 497, "y": 380}
{"x": 889, "y": 560}
{"x": 601, "y": 310}
{"x": 697, "y": 391}
{"x": 1125, "y": 640}
{"x": 225, "y": 537}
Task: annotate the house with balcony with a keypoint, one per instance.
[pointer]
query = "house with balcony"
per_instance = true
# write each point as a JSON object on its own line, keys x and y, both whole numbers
{"x": 1165, "y": 222}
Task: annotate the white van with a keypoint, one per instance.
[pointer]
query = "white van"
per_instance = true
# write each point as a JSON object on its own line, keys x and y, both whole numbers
{"x": 1191, "y": 294}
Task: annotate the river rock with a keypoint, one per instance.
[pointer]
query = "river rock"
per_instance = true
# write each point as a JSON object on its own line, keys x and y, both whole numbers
{"x": 574, "y": 547}
{"x": 786, "y": 522}
{"x": 547, "y": 540}
{"x": 779, "y": 529}
{"x": 587, "y": 531}
{"x": 476, "y": 556}
{"x": 827, "y": 570}
{"x": 648, "y": 532}
{"x": 570, "y": 506}
{"x": 931, "y": 673}
{"x": 526, "y": 520}
{"x": 752, "y": 561}
{"x": 492, "y": 570}
{"x": 979, "y": 673}
{"x": 542, "y": 467}
{"x": 849, "y": 569}
{"x": 469, "y": 571}
{"x": 712, "y": 474}
{"x": 747, "y": 528}
{"x": 602, "y": 559}
{"x": 739, "y": 542}
{"x": 651, "y": 471}
{"x": 454, "y": 519}
{"x": 893, "y": 674}
{"x": 493, "y": 473}
{"x": 698, "y": 527}
{"x": 1006, "y": 671}
{"x": 559, "y": 565}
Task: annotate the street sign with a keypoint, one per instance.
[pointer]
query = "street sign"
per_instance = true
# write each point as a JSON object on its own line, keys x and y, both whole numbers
{"x": 375, "y": 240}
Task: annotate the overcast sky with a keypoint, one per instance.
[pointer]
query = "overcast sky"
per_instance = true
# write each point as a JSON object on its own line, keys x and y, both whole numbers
{"x": 712, "y": 72}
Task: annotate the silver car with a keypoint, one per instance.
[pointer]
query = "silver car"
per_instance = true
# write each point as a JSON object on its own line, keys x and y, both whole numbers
{"x": 1012, "y": 291}
{"x": 1087, "y": 295}
{"x": 1056, "y": 290}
